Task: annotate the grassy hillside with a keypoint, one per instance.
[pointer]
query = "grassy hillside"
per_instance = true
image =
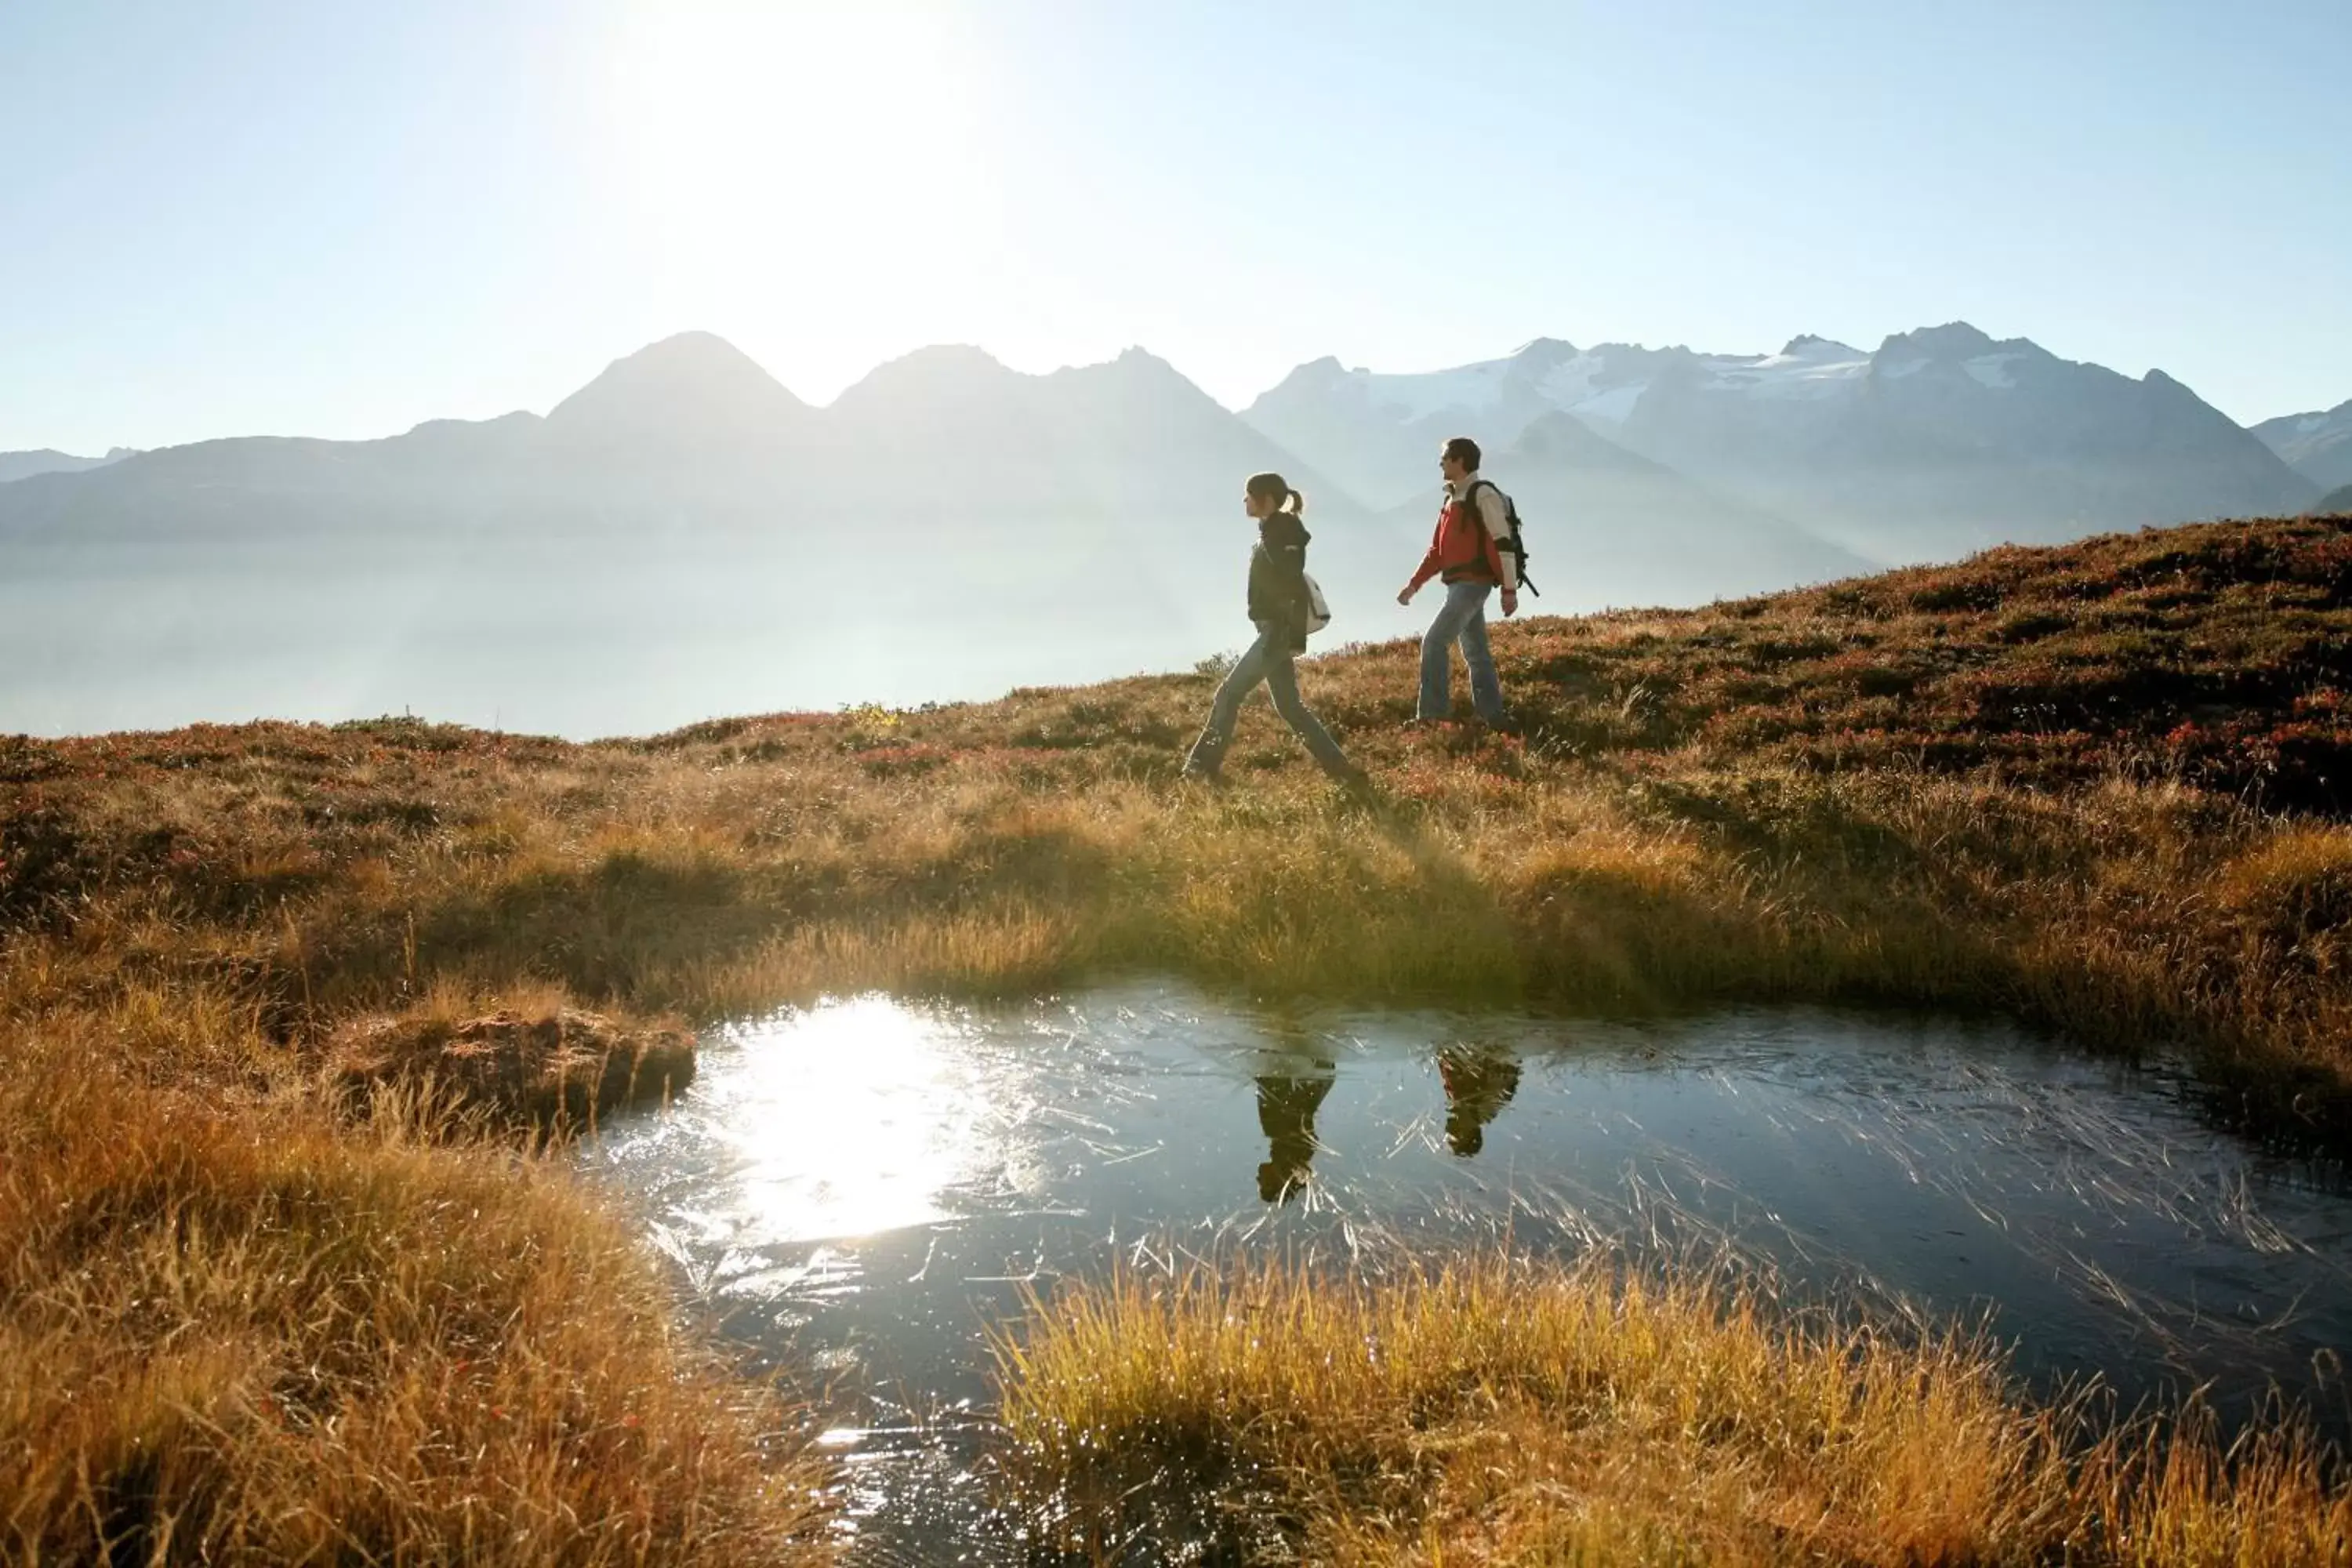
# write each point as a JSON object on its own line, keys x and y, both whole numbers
{"x": 2103, "y": 786}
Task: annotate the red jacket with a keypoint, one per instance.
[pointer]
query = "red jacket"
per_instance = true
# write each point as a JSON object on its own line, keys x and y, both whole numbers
{"x": 1460, "y": 549}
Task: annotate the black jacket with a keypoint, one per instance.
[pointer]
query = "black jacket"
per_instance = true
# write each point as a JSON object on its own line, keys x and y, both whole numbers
{"x": 1277, "y": 578}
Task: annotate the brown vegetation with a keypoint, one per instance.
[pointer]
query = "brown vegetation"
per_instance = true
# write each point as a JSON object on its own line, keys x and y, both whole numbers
{"x": 1495, "y": 1412}
{"x": 553, "y": 1070}
{"x": 236, "y": 1330}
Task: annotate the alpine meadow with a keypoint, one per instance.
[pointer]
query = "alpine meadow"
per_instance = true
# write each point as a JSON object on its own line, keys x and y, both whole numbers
{"x": 919, "y": 782}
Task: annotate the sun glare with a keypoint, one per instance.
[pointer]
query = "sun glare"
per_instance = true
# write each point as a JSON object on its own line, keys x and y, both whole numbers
{"x": 862, "y": 1116}
{"x": 799, "y": 147}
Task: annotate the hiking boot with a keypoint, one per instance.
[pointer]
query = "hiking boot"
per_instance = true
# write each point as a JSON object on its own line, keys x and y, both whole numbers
{"x": 1194, "y": 772}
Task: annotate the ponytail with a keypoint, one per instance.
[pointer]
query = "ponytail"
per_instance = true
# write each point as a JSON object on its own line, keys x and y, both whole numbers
{"x": 1275, "y": 491}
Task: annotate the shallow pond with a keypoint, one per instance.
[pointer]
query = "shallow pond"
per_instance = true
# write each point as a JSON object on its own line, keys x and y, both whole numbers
{"x": 866, "y": 1187}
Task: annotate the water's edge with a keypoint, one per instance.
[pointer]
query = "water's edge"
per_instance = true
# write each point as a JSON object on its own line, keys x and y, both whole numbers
{"x": 862, "y": 1190}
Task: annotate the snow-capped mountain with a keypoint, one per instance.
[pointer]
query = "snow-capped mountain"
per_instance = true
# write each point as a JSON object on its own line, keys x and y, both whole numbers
{"x": 1383, "y": 422}
{"x": 2316, "y": 446}
{"x": 1939, "y": 441}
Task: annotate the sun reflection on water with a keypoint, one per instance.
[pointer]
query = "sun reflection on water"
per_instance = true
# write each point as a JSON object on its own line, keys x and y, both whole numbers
{"x": 860, "y": 1117}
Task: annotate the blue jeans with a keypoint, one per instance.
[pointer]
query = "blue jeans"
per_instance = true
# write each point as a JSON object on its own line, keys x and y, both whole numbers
{"x": 1463, "y": 619}
{"x": 1269, "y": 660}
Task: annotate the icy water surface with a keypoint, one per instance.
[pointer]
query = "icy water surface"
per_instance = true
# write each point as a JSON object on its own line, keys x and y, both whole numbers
{"x": 866, "y": 1187}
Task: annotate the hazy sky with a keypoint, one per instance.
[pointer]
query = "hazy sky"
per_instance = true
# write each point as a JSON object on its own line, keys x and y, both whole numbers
{"x": 337, "y": 220}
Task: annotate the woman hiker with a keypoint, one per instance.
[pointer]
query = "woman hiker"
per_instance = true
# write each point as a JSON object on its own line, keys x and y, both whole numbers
{"x": 1278, "y": 607}
{"x": 1463, "y": 553}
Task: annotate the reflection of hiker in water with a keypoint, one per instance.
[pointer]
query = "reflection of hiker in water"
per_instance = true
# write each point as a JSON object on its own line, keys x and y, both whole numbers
{"x": 1287, "y": 1103}
{"x": 1479, "y": 1081}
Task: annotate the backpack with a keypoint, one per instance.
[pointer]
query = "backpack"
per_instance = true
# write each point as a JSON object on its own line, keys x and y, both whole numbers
{"x": 1319, "y": 610}
{"x": 1514, "y": 545}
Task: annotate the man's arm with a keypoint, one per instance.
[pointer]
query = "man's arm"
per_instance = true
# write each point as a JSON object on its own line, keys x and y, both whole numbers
{"x": 1431, "y": 565}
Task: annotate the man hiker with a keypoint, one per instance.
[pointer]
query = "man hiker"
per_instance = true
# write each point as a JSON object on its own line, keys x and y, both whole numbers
{"x": 1463, "y": 555}
{"x": 1479, "y": 1081}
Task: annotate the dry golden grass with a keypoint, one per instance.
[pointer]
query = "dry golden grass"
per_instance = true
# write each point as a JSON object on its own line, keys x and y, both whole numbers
{"x": 1503, "y": 1412}
{"x": 245, "y": 1332}
{"x": 711, "y": 877}
{"x": 552, "y": 1069}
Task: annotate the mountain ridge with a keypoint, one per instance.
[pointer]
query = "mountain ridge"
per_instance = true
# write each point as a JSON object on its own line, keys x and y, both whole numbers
{"x": 2317, "y": 444}
{"x": 683, "y": 509}
{"x": 15, "y": 466}
{"x": 1940, "y": 441}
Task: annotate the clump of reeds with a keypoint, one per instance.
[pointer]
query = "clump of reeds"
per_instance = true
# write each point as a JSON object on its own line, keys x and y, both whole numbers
{"x": 1513, "y": 1412}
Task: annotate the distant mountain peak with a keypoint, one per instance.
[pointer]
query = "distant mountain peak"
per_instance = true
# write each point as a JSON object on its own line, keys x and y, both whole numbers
{"x": 939, "y": 375}
{"x": 2304, "y": 423}
{"x": 1137, "y": 361}
{"x": 693, "y": 340}
{"x": 1139, "y": 366}
{"x": 692, "y": 354}
{"x": 694, "y": 383}
{"x": 2317, "y": 445}
{"x": 1317, "y": 376}
{"x": 1542, "y": 353}
{"x": 1810, "y": 346}
{"x": 948, "y": 354}
{"x": 1953, "y": 339}
{"x": 1958, "y": 342}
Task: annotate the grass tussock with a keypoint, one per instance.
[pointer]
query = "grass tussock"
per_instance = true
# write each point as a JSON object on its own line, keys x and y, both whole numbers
{"x": 552, "y": 1069}
{"x": 259, "y": 1336}
{"x": 1504, "y": 1411}
{"x": 2102, "y": 787}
